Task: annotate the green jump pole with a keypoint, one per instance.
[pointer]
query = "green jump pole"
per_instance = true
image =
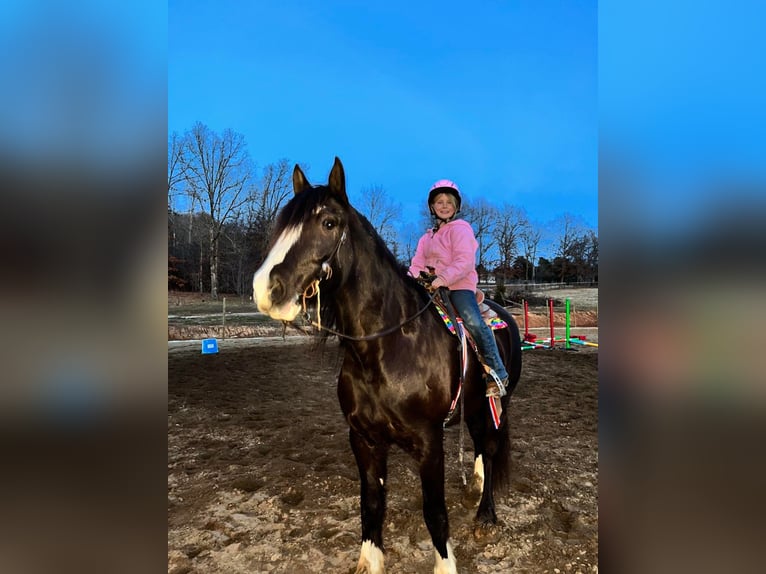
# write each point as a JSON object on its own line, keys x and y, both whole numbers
{"x": 567, "y": 323}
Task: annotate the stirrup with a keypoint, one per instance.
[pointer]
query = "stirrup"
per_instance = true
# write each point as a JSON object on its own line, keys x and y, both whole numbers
{"x": 495, "y": 386}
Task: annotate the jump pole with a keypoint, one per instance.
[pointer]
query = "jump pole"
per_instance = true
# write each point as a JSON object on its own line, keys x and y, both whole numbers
{"x": 526, "y": 319}
{"x": 567, "y": 326}
{"x": 584, "y": 343}
{"x": 550, "y": 317}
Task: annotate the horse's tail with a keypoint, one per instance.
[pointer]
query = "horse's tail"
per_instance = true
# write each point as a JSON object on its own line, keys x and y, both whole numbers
{"x": 501, "y": 464}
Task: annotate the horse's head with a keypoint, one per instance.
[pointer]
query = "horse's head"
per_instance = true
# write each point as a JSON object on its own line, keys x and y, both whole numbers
{"x": 306, "y": 244}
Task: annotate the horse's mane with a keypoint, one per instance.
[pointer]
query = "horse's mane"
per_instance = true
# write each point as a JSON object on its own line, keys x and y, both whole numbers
{"x": 383, "y": 256}
{"x": 384, "y": 253}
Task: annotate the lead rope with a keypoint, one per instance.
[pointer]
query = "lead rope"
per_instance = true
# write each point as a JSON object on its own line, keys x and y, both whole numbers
{"x": 311, "y": 290}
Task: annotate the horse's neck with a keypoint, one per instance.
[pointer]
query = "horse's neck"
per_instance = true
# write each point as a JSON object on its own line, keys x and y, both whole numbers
{"x": 379, "y": 298}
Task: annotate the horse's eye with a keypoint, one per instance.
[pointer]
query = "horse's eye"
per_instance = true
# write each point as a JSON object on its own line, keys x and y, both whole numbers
{"x": 328, "y": 224}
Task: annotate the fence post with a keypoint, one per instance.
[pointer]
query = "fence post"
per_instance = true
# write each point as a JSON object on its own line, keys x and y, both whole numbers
{"x": 223, "y": 320}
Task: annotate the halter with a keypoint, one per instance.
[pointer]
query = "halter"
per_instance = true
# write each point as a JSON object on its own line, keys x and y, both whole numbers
{"x": 313, "y": 289}
{"x": 326, "y": 268}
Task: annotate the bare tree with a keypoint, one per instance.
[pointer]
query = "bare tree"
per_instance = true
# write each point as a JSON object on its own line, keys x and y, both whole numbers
{"x": 175, "y": 177}
{"x": 568, "y": 234}
{"x": 176, "y": 170}
{"x": 591, "y": 258}
{"x": 381, "y": 211}
{"x": 529, "y": 237}
{"x": 582, "y": 256}
{"x": 508, "y": 225}
{"x": 217, "y": 169}
{"x": 268, "y": 197}
{"x": 409, "y": 235}
{"x": 482, "y": 216}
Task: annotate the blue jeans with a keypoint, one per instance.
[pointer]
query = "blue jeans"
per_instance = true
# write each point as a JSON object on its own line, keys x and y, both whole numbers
{"x": 465, "y": 304}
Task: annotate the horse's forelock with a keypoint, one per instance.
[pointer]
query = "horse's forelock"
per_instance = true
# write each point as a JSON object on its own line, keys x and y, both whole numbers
{"x": 294, "y": 212}
{"x": 300, "y": 208}
{"x": 304, "y": 205}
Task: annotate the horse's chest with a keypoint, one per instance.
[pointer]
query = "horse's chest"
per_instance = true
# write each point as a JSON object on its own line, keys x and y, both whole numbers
{"x": 373, "y": 414}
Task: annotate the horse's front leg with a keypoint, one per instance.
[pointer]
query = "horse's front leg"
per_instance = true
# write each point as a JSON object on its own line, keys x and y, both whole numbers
{"x": 434, "y": 506}
{"x": 371, "y": 460}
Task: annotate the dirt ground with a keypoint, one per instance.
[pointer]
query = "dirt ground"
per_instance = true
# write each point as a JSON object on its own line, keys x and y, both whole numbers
{"x": 261, "y": 477}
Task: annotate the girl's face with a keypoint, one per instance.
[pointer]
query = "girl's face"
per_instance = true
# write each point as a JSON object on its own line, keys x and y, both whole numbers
{"x": 444, "y": 205}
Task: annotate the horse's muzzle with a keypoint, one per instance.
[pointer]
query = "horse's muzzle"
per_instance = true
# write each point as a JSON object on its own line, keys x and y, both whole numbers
{"x": 272, "y": 298}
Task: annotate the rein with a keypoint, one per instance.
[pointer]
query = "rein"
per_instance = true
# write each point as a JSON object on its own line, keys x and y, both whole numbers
{"x": 313, "y": 289}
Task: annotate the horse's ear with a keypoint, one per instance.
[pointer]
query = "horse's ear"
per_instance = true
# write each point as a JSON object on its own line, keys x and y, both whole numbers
{"x": 338, "y": 181}
{"x": 300, "y": 183}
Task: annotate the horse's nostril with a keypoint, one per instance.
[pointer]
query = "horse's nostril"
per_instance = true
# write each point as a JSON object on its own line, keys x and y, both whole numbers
{"x": 277, "y": 290}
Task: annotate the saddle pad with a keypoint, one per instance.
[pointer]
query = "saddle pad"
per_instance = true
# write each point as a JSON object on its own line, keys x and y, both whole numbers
{"x": 494, "y": 322}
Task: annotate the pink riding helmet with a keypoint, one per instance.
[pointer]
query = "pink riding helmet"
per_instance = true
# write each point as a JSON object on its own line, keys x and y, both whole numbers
{"x": 445, "y": 186}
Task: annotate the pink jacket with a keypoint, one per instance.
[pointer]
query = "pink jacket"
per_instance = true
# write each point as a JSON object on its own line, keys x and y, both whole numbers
{"x": 452, "y": 252}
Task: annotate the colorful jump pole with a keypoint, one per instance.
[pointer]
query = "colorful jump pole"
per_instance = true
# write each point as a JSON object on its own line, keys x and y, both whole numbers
{"x": 584, "y": 343}
{"x": 550, "y": 317}
{"x": 550, "y": 343}
{"x": 526, "y": 320}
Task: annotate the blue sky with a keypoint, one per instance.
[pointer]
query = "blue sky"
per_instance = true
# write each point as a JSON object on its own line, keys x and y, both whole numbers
{"x": 500, "y": 97}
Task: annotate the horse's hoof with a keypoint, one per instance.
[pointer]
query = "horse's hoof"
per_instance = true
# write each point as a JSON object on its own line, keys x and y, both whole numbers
{"x": 486, "y": 533}
{"x": 371, "y": 560}
{"x": 366, "y": 570}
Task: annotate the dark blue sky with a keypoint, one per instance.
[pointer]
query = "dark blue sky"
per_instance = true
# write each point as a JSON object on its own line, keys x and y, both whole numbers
{"x": 500, "y": 97}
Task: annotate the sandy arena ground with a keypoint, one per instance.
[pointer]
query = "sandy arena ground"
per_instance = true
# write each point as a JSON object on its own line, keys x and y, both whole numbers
{"x": 261, "y": 477}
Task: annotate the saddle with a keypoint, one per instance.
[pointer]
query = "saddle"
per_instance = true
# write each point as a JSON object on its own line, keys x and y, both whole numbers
{"x": 490, "y": 317}
{"x": 447, "y": 312}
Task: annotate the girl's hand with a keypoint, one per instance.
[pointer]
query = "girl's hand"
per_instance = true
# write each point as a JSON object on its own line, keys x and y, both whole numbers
{"x": 438, "y": 282}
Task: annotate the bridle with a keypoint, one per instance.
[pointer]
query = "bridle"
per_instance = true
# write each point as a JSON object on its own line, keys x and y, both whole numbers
{"x": 326, "y": 267}
{"x": 325, "y": 274}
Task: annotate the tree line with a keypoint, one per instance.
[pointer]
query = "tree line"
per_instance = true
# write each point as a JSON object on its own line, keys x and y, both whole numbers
{"x": 222, "y": 208}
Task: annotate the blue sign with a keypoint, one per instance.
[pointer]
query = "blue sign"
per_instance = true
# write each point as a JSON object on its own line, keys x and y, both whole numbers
{"x": 209, "y": 346}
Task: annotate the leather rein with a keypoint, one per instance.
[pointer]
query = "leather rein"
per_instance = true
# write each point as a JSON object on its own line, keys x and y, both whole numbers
{"x": 326, "y": 273}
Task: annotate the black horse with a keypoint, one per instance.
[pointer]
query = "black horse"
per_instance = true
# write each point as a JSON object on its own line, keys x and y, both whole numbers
{"x": 400, "y": 370}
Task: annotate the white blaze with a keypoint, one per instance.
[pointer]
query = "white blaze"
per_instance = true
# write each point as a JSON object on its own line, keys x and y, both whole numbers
{"x": 448, "y": 565}
{"x": 261, "y": 287}
{"x": 370, "y": 559}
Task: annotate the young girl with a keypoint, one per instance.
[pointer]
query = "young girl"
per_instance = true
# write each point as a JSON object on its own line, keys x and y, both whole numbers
{"x": 450, "y": 250}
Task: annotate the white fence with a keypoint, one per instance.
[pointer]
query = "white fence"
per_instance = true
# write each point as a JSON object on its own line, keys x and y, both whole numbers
{"x": 484, "y": 286}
